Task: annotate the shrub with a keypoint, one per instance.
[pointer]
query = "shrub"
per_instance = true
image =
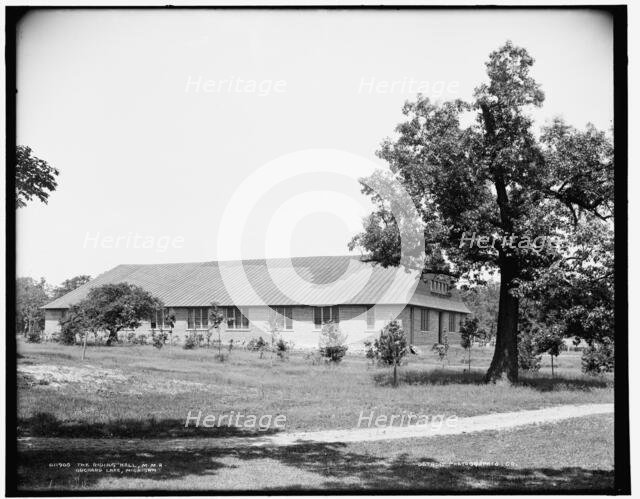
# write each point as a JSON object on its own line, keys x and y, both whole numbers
{"x": 334, "y": 353}
{"x": 258, "y": 345}
{"x": 370, "y": 351}
{"x": 442, "y": 349}
{"x": 190, "y": 342}
{"x": 140, "y": 339}
{"x": 34, "y": 336}
{"x": 314, "y": 357}
{"x": 200, "y": 339}
{"x": 332, "y": 342}
{"x": 528, "y": 357}
{"x": 598, "y": 358}
{"x": 282, "y": 349}
{"x": 159, "y": 338}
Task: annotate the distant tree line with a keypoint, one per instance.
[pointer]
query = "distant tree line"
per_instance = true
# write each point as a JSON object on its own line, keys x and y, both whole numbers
{"x": 31, "y": 295}
{"x": 576, "y": 306}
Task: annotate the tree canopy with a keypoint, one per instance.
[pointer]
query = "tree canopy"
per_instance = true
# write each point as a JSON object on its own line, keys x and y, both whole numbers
{"x": 481, "y": 167}
{"x": 69, "y": 285}
{"x": 34, "y": 177}
{"x": 30, "y": 296}
{"x": 114, "y": 307}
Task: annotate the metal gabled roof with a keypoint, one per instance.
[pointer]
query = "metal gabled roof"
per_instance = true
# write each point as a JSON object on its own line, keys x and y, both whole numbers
{"x": 313, "y": 281}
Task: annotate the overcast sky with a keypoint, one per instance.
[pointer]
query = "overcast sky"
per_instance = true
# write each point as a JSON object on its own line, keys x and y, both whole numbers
{"x": 156, "y": 118}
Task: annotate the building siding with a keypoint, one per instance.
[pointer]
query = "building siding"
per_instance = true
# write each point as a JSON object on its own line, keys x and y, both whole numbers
{"x": 304, "y": 333}
{"x": 52, "y": 319}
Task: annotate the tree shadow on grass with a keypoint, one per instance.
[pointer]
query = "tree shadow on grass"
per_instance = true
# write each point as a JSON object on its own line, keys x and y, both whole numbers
{"x": 44, "y": 424}
{"x": 333, "y": 465}
{"x": 452, "y": 377}
{"x": 560, "y": 383}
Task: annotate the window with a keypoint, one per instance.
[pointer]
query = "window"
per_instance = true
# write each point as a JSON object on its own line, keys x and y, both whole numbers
{"x": 452, "y": 322}
{"x": 284, "y": 317}
{"x": 157, "y": 319}
{"x": 371, "y": 318}
{"x": 322, "y": 315}
{"x": 424, "y": 320}
{"x": 439, "y": 287}
{"x": 198, "y": 318}
{"x": 236, "y": 319}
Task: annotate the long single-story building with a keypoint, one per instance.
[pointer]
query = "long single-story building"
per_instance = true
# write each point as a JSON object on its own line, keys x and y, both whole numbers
{"x": 299, "y": 294}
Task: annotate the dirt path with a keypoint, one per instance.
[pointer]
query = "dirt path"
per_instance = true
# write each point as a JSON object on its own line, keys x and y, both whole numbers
{"x": 495, "y": 421}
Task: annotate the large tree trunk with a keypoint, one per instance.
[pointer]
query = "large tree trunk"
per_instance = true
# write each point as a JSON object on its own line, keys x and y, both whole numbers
{"x": 505, "y": 357}
{"x": 112, "y": 338}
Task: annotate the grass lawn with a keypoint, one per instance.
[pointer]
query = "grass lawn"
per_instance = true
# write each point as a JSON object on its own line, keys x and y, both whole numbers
{"x": 575, "y": 454}
{"x": 139, "y": 392}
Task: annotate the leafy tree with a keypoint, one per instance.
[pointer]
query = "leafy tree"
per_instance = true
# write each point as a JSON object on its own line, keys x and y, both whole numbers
{"x": 576, "y": 295}
{"x": 69, "y": 285}
{"x": 391, "y": 347}
{"x": 274, "y": 330}
{"x": 371, "y": 352}
{"x": 34, "y": 177}
{"x": 551, "y": 342}
{"x": 72, "y": 325}
{"x": 114, "y": 307}
{"x": 469, "y": 333}
{"x": 216, "y": 318}
{"x": 30, "y": 296}
{"x": 80, "y": 320}
{"x": 495, "y": 177}
{"x": 170, "y": 320}
{"x": 332, "y": 342}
